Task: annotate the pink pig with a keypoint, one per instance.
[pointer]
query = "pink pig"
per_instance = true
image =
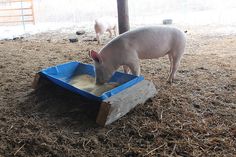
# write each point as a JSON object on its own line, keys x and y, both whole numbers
{"x": 104, "y": 24}
{"x": 142, "y": 43}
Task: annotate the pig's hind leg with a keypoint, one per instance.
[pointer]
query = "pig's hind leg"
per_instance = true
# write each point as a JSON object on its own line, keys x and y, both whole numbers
{"x": 115, "y": 30}
{"x": 110, "y": 32}
{"x": 171, "y": 63}
{"x": 174, "y": 63}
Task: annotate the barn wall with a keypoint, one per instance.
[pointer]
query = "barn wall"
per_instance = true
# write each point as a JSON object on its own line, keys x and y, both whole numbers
{"x": 141, "y": 11}
{"x": 54, "y": 14}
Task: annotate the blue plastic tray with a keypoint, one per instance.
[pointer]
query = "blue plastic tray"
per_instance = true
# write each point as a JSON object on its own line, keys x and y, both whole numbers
{"x": 62, "y": 73}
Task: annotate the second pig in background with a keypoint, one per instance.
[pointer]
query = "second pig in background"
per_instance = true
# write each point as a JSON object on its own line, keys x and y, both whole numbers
{"x": 105, "y": 24}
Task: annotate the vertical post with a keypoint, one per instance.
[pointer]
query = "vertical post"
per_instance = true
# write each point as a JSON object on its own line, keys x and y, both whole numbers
{"x": 123, "y": 15}
{"x": 32, "y": 8}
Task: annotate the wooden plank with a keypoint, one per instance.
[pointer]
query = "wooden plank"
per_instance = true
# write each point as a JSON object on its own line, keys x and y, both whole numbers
{"x": 103, "y": 113}
{"x": 16, "y": 21}
{"x": 120, "y": 104}
{"x": 11, "y": 9}
{"x": 19, "y": 15}
{"x": 123, "y": 15}
{"x": 12, "y": 1}
{"x": 36, "y": 81}
{"x": 39, "y": 81}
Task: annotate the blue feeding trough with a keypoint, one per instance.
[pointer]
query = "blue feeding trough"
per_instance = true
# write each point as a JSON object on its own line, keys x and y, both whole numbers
{"x": 61, "y": 75}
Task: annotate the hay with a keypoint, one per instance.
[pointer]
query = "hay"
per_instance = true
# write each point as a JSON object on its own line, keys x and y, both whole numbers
{"x": 196, "y": 116}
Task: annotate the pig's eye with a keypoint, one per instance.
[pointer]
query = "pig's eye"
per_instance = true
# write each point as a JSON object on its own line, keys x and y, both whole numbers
{"x": 96, "y": 60}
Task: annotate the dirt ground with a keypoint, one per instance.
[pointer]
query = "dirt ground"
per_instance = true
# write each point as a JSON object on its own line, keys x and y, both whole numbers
{"x": 196, "y": 116}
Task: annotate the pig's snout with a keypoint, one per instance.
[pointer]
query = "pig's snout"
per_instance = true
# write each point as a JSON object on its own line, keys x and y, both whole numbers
{"x": 99, "y": 81}
{"x": 102, "y": 78}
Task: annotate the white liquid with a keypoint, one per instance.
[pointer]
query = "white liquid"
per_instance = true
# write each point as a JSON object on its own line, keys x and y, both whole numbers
{"x": 87, "y": 83}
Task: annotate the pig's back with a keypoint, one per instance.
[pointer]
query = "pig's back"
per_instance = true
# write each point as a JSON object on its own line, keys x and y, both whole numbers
{"x": 148, "y": 42}
{"x": 105, "y": 22}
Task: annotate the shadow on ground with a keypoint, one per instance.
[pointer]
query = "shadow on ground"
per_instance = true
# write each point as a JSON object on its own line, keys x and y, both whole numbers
{"x": 61, "y": 106}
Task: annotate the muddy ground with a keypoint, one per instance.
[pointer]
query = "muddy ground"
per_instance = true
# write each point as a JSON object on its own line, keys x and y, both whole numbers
{"x": 196, "y": 116}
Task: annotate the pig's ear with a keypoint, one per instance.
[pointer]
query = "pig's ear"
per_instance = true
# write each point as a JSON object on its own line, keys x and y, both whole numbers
{"x": 95, "y": 56}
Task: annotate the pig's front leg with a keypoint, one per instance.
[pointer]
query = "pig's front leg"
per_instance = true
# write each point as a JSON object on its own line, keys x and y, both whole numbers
{"x": 126, "y": 69}
{"x": 98, "y": 38}
{"x": 135, "y": 68}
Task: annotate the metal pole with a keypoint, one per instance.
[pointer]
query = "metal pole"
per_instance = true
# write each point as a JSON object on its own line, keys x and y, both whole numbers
{"x": 123, "y": 15}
